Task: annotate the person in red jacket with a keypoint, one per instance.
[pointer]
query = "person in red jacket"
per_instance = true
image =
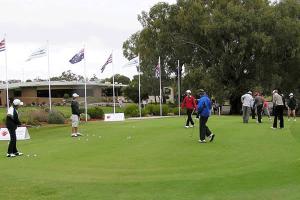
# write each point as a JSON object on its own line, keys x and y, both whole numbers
{"x": 190, "y": 104}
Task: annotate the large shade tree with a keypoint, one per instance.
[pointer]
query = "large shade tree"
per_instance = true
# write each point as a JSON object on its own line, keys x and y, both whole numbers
{"x": 228, "y": 46}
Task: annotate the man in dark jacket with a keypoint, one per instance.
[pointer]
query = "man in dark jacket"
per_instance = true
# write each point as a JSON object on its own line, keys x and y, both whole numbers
{"x": 204, "y": 109}
{"x": 12, "y": 123}
{"x": 75, "y": 116}
{"x": 259, "y": 102}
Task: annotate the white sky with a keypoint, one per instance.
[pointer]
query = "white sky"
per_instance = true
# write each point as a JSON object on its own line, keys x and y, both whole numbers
{"x": 103, "y": 25}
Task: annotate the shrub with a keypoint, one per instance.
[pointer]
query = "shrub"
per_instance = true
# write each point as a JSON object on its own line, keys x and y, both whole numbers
{"x": 176, "y": 112}
{"x": 33, "y": 117}
{"x": 55, "y": 117}
{"x": 38, "y": 115}
{"x": 95, "y": 112}
{"x": 150, "y": 109}
{"x": 82, "y": 117}
{"x": 66, "y": 96}
{"x": 154, "y": 109}
{"x": 132, "y": 111}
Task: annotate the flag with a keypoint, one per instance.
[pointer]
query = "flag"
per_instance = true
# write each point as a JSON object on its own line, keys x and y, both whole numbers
{"x": 109, "y": 60}
{"x": 77, "y": 57}
{"x": 2, "y": 45}
{"x": 40, "y": 52}
{"x": 157, "y": 70}
{"x": 183, "y": 71}
{"x": 133, "y": 62}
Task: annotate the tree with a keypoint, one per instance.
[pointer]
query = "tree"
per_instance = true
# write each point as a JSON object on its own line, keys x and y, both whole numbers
{"x": 68, "y": 76}
{"x": 229, "y": 46}
{"x": 132, "y": 91}
{"x": 94, "y": 78}
{"x": 119, "y": 78}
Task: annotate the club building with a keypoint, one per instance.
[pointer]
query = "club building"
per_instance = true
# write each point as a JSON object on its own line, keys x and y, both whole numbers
{"x": 38, "y": 92}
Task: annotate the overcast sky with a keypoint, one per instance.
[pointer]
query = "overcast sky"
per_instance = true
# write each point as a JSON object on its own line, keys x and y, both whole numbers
{"x": 103, "y": 25}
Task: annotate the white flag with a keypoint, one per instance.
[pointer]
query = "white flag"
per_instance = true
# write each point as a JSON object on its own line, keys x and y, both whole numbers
{"x": 183, "y": 71}
{"x": 38, "y": 53}
{"x": 132, "y": 62}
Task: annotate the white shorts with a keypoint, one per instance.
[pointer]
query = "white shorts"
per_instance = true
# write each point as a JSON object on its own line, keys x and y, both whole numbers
{"x": 75, "y": 121}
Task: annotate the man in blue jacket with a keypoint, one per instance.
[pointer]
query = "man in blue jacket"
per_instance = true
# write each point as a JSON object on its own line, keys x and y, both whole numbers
{"x": 204, "y": 108}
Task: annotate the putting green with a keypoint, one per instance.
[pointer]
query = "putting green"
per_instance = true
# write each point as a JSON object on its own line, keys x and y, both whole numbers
{"x": 155, "y": 159}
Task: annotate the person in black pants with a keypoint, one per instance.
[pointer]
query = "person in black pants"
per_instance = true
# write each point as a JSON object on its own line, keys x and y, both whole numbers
{"x": 259, "y": 102}
{"x": 12, "y": 123}
{"x": 204, "y": 109}
{"x": 278, "y": 111}
{"x": 189, "y": 103}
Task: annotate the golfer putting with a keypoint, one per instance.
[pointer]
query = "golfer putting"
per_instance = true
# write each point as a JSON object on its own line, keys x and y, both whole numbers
{"x": 190, "y": 104}
{"x": 204, "y": 109}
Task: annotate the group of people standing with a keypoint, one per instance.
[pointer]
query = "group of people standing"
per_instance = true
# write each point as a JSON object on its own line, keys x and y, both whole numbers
{"x": 203, "y": 108}
{"x": 257, "y": 104}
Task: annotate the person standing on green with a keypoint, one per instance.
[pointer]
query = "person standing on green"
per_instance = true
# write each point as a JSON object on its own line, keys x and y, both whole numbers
{"x": 75, "y": 116}
{"x": 12, "y": 123}
{"x": 292, "y": 104}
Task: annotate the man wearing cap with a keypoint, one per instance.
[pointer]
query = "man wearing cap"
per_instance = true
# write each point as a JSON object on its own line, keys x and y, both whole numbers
{"x": 75, "y": 115}
{"x": 292, "y": 104}
{"x": 204, "y": 109}
{"x": 190, "y": 104}
{"x": 247, "y": 100}
{"x": 278, "y": 111}
{"x": 12, "y": 123}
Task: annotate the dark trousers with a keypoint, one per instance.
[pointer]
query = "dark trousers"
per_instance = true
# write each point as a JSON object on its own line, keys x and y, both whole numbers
{"x": 12, "y": 147}
{"x": 259, "y": 111}
{"x": 189, "y": 115}
{"x": 253, "y": 112}
{"x": 278, "y": 114}
{"x": 204, "y": 130}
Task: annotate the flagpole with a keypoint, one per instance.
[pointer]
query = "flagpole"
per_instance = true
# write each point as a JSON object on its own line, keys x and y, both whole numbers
{"x": 140, "y": 108}
{"x": 85, "y": 99}
{"x": 49, "y": 78}
{"x": 178, "y": 72}
{"x": 7, "y": 98}
{"x": 112, "y": 62}
{"x": 160, "y": 95}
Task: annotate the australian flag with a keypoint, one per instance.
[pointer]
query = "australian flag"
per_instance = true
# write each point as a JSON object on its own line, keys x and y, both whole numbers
{"x": 78, "y": 57}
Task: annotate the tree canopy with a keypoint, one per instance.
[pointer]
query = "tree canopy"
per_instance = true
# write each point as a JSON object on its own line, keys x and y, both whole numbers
{"x": 227, "y": 46}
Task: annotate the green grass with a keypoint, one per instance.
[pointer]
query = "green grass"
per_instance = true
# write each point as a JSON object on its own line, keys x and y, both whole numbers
{"x": 156, "y": 159}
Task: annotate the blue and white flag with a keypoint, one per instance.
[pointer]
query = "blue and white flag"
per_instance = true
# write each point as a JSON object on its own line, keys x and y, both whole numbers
{"x": 132, "y": 62}
{"x": 77, "y": 57}
{"x": 40, "y": 52}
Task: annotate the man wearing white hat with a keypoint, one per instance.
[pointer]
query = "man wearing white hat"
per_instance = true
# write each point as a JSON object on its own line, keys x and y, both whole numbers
{"x": 292, "y": 104}
{"x": 12, "y": 123}
{"x": 247, "y": 100}
{"x": 75, "y": 115}
{"x": 189, "y": 103}
{"x": 278, "y": 104}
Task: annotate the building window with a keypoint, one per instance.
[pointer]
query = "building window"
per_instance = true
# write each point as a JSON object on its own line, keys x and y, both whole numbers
{"x": 17, "y": 93}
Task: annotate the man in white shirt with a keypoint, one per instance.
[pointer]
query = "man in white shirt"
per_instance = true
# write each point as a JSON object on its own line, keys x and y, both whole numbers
{"x": 246, "y": 101}
{"x": 278, "y": 111}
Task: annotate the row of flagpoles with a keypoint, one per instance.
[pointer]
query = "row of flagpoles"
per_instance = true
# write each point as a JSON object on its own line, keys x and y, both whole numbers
{"x": 78, "y": 57}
